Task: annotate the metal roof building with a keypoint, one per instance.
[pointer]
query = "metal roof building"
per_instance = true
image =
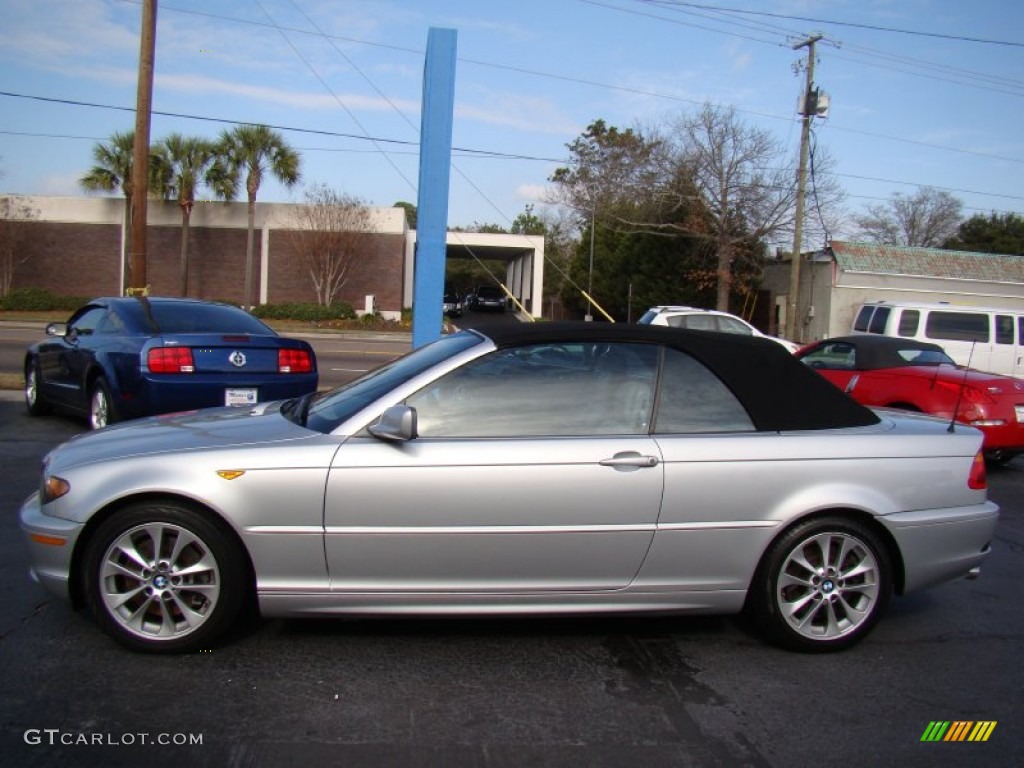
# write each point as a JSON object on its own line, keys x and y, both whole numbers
{"x": 835, "y": 281}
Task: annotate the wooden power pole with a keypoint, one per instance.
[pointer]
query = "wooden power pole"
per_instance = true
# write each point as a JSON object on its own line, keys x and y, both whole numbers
{"x": 140, "y": 155}
{"x": 794, "y": 330}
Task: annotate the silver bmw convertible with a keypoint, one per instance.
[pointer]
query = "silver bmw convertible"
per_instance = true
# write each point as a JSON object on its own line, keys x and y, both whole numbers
{"x": 539, "y": 469}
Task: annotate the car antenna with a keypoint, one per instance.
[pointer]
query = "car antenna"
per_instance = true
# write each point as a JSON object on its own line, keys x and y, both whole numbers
{"x": 960, "y": 391}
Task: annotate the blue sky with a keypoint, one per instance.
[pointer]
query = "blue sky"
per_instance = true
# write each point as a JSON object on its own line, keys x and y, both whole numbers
{"x": 913, "y": 103}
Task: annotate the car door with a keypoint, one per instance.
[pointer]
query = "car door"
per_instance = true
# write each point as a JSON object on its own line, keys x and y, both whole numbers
{"x": 63, "y": 359}
{"x": 533, "y": 470}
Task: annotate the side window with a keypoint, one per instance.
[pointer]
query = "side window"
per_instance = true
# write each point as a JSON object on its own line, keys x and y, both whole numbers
{"x": 692, "y": 399}
{"x": 729, "y": 325}
{"x": 910, "y": 320}
{"x": 1004, "y": 329}
{"x": 85, "y": 323}
{"x": 878, "y": 320}
{"x": 957, "y": 326}
{"x": 543, "y": 390}
{"x": 701, "y": 322}
{"x": 832, "y": 356}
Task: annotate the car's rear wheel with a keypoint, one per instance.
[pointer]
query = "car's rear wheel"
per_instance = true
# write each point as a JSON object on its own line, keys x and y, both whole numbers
{"x": 822, "y": 586}
{"x": 33, "y": 402}
{"x": 101, "y": 406}
{"x": 161, "y": 577}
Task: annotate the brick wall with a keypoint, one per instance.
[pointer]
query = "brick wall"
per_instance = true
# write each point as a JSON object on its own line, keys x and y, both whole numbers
{"x": 74, "y": 259}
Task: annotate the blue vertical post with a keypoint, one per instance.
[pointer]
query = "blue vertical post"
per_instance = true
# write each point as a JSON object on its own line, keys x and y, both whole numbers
{"x": 432, "y": 196}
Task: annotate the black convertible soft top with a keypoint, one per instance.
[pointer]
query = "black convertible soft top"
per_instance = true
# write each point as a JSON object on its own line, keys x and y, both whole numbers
{"x": 877, "y": 352}
{"x": 779, "y": 392}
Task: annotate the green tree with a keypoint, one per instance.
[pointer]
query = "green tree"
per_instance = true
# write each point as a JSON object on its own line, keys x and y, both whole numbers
{"x": 255, "y": 151}
{"x": 995, "y": 233}
{"x": 186, "y": 163}
{"x": 112, "y": 172}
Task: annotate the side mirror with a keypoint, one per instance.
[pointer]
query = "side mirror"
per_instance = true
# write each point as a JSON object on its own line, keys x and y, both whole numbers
{"x": 57, "y": 329}
{"x": 396, "y": 424}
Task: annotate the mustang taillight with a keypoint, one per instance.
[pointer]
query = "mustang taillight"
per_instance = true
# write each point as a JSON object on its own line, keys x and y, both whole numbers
{"x": 294, "y": 361}
{"x": 978, "y": 479}
{"x": 171, "y": 360}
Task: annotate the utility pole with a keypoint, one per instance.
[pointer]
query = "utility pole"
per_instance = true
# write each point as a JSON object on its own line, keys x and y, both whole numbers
{"x": 793, "y": 325}
{"x": 140, "y": 154}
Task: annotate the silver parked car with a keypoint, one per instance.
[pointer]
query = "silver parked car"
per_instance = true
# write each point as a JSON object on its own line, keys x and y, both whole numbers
{"x": 631, "y": 469}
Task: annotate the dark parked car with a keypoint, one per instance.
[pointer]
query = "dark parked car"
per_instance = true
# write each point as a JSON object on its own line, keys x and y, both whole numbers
{"x": 537, "y": 469}
{"x": 452, "y": 304}
{"x": 489, "y": 297}
{"x": 120, "y": 358}
{"x": 920, "y": 376}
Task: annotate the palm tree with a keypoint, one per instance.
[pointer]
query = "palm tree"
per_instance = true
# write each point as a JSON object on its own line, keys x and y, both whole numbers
{"x": 113, "y": 172}
{"x": 256, "y": 150}
{"x": 188, "y": 162}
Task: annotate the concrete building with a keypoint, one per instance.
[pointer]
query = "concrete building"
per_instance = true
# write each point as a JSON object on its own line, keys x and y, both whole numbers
{"x": 74, "y": 247}
{"x": 834, "y": 282}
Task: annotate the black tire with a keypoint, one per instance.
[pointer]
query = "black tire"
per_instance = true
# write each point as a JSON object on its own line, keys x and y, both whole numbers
{"x": 142, "y": 600}
{"x": 817, "y": 609}
{"x": 101, "y": 405}
{"x": 34, "y": 403}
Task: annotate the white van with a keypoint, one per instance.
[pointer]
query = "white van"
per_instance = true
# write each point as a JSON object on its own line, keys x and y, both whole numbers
{"x": 987, "y": 338}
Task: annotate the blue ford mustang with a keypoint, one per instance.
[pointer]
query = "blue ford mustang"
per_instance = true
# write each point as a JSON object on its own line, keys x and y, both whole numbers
{"x": 120, "y": 358}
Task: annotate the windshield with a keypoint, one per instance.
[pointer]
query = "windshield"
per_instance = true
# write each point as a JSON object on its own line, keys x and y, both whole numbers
{"x": 330, "y": 409}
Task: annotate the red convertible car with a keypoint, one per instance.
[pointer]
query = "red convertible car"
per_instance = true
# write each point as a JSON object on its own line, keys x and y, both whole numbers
{"x": 880, "y": 371}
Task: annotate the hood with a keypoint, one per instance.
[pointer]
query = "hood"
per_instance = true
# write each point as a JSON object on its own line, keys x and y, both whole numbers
{"x": 174, "y": 433}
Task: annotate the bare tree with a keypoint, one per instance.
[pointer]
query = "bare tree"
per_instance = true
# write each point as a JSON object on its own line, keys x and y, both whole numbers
{"x": 739, "y": 172}
{"x": 331, "y": 232}
{"x": 710, "y": 178}
{"x": 14, "y": 214}
{"x": 926, "y": 219}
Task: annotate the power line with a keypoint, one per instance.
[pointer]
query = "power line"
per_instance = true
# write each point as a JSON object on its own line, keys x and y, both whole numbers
{"x": 872, "y": 27}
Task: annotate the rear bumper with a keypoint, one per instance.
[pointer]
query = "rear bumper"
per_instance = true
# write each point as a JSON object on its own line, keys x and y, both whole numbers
{"x": 939, "y": 545}
{"x": 163, "y": 395}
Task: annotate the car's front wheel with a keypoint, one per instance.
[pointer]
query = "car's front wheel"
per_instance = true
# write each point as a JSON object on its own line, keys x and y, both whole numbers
{"x": 163, "y": 578}
{"x": 33, "y": 401}
{"x": 822, "y": 586}
{"x": 101, "y": 406}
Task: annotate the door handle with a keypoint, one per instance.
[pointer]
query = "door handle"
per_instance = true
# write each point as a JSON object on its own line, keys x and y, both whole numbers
{"x": 630, "y": 459}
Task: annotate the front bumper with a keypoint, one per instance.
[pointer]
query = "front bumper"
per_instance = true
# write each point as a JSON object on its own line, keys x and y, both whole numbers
{"x": 939, "y": 545}
{"x": 51, "y": 542}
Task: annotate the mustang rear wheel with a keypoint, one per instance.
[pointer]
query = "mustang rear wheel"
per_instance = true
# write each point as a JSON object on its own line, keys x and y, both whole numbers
{"x": 101, "y": 408}
{"x": 161, "y": 577}
{"x": 822, "y": 586}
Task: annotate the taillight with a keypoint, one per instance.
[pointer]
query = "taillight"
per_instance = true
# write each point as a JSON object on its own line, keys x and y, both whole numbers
{"x": 966, "y": 393}
{"x": 294, "y": 361}
{"x": 170, "y": 360}
{"x": 978, "y": 479}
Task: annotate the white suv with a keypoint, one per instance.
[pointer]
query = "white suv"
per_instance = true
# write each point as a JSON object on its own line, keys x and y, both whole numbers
{"x": 706, "y": 320}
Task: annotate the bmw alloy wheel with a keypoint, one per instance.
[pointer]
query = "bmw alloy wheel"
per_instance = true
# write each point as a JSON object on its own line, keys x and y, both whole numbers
{"x": 162, "y": 577}
{"x": 823, "y": 585}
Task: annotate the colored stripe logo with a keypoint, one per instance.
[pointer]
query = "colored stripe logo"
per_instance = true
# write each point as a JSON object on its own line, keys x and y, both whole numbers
{"x": 958, "y": 730}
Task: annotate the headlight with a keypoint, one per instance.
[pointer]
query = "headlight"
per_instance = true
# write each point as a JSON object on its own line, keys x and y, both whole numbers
{"x": 53, "y": 488}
